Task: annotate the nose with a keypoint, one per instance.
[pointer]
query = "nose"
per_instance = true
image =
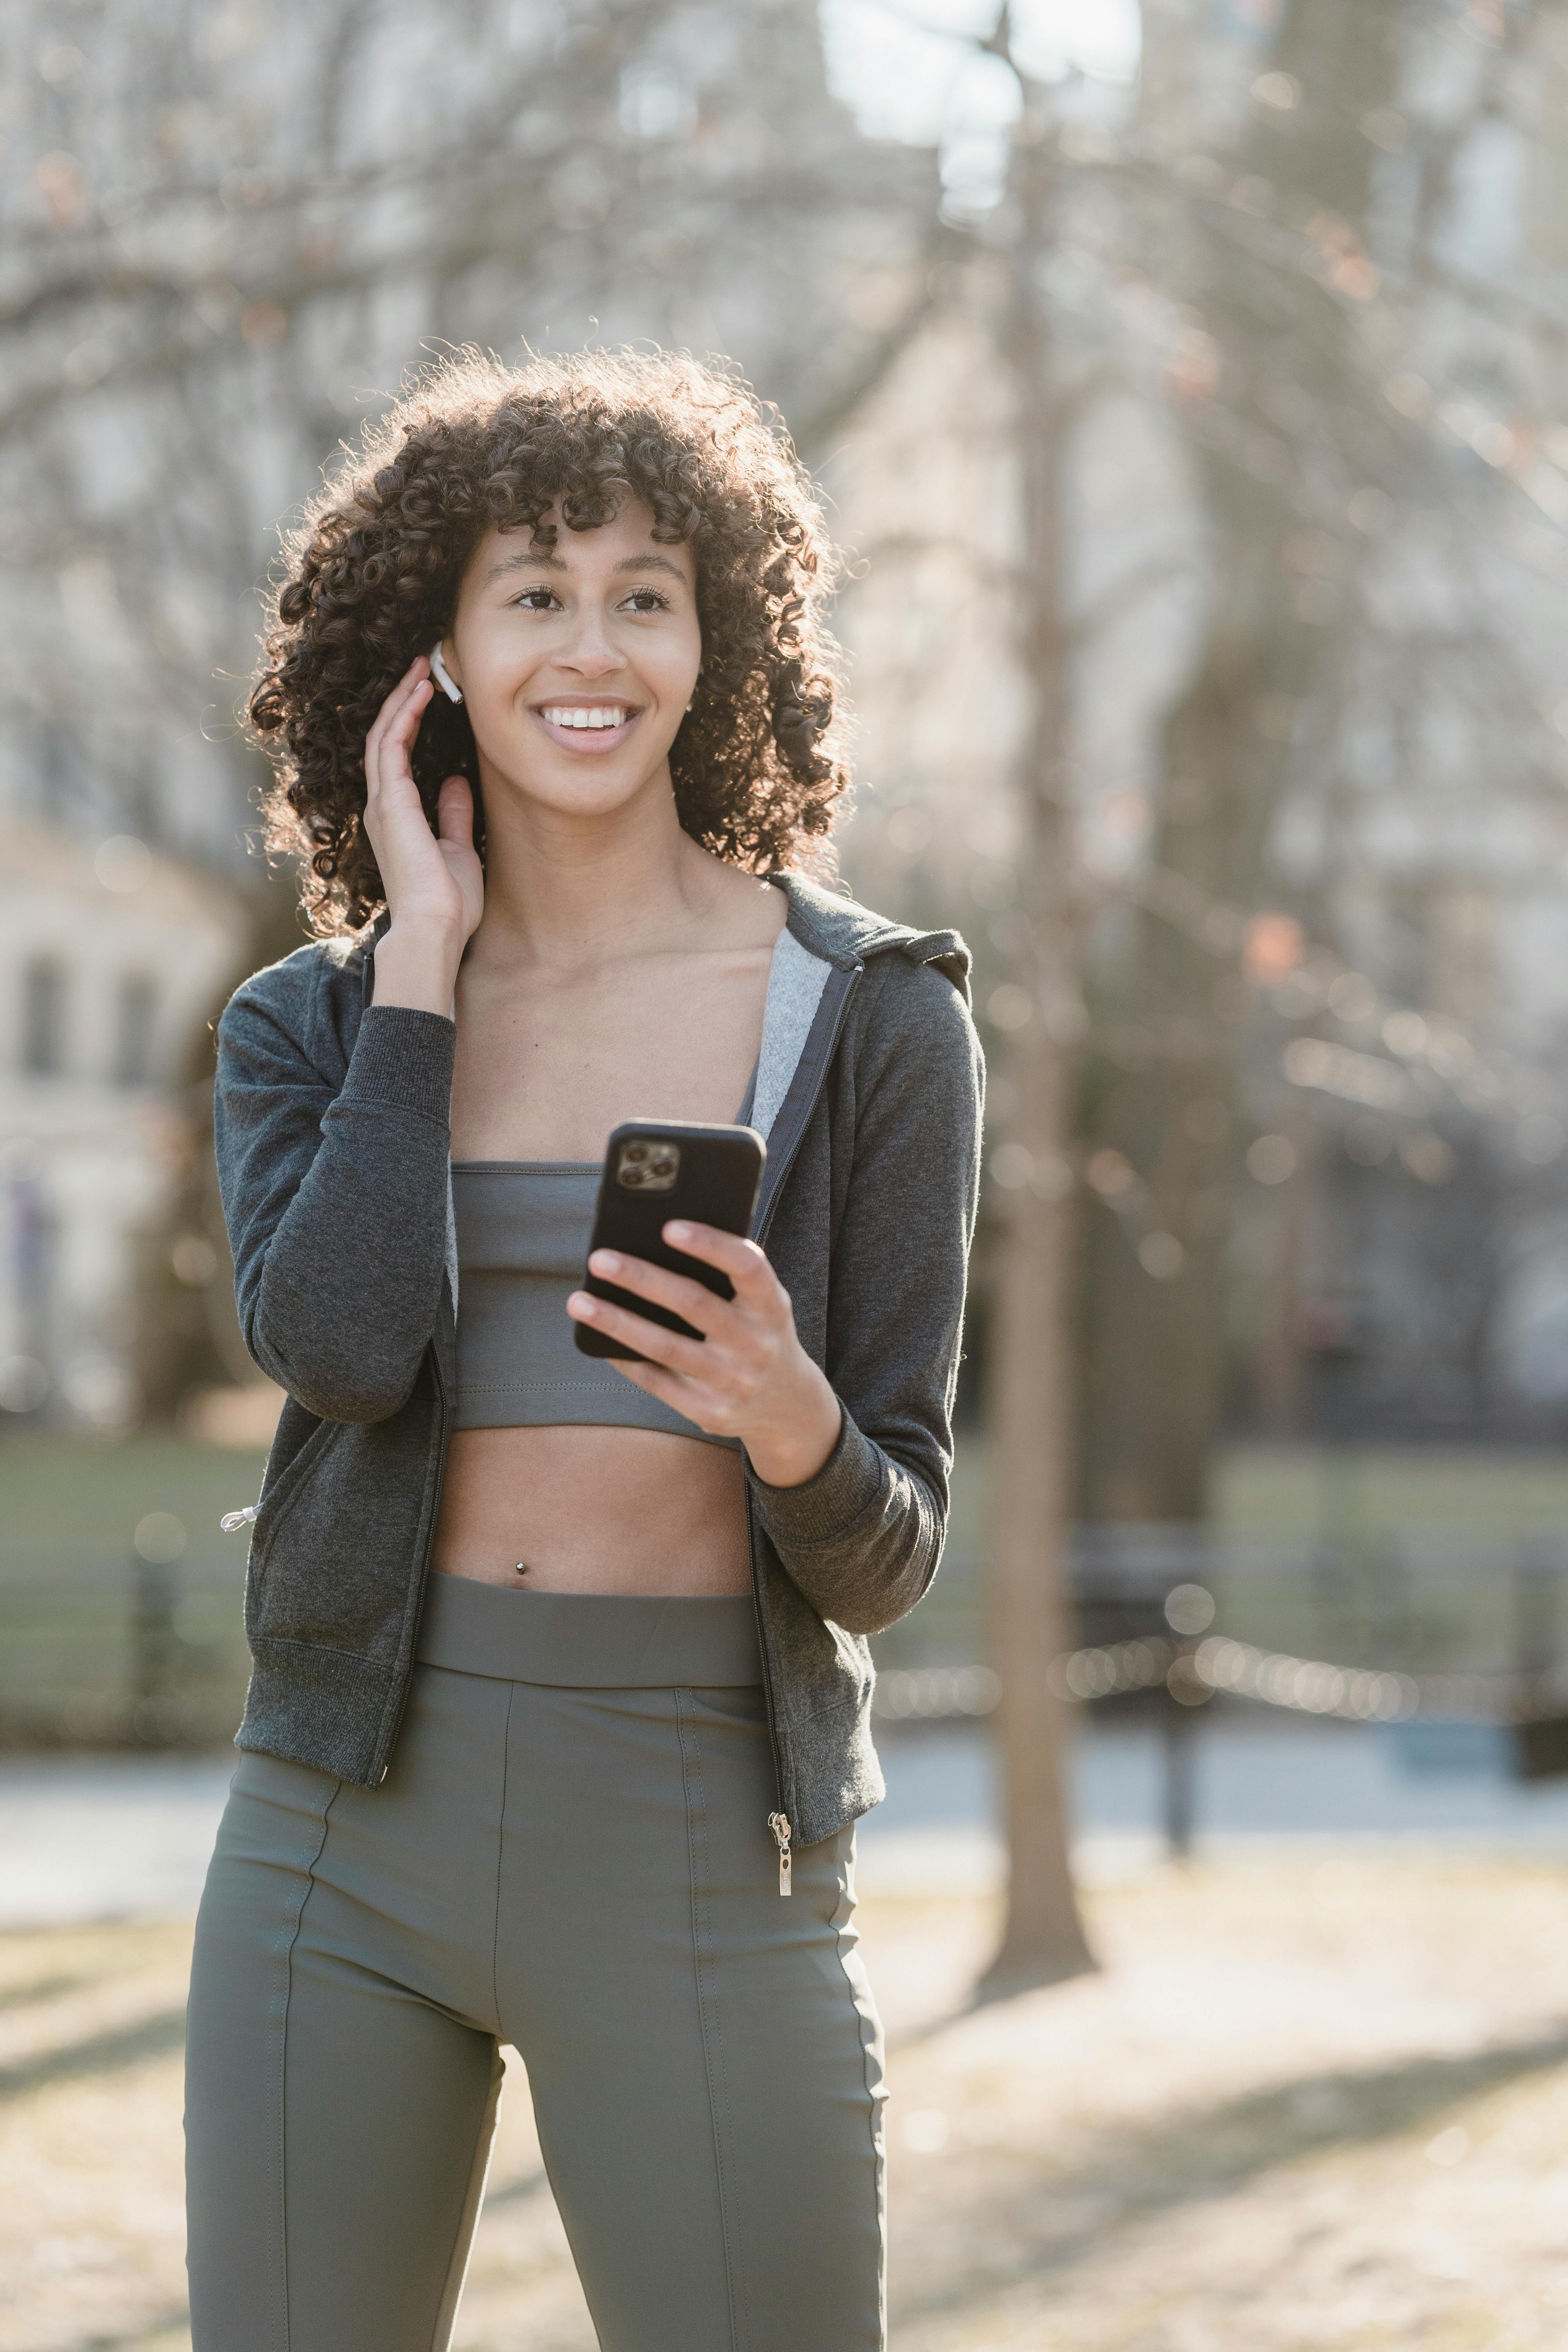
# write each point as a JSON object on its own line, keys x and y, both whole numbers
{"x": 588, "y": 652}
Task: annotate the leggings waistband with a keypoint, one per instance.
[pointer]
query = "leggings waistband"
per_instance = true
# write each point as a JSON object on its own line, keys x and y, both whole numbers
{"x": 588, "y": 1641}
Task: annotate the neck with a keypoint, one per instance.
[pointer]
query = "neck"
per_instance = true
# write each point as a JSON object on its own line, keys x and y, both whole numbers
{"x": 563, "y": 888}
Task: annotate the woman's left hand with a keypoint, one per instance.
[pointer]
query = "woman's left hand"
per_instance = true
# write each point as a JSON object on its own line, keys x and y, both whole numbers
{"x": 748, "y": 1376}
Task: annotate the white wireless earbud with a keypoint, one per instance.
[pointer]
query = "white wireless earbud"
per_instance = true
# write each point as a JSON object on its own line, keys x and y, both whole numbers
{"x": 443, "y": 676}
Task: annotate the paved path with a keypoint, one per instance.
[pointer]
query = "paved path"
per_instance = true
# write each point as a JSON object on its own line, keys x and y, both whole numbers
{"x": 103, "y": 1837}
{"x": 1254, "y": 1785}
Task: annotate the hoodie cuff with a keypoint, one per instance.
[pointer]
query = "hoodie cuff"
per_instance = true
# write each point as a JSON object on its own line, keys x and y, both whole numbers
{"x": 403, "y": 1058}
{"x": 823, "y": 1510}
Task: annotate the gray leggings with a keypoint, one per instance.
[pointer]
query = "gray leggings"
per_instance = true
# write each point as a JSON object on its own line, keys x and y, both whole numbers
{"x": 570, "y": 1854}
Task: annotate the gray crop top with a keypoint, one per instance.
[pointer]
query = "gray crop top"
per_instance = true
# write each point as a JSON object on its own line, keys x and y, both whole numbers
{"x": 523, "y": 1229}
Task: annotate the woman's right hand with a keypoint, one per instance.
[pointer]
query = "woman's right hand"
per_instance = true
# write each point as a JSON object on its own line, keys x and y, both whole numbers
{"x": 434, "y": 884}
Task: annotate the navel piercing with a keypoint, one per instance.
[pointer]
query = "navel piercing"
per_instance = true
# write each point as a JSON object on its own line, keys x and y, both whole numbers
{"x": 443, "y": 676}
{"x": 522, "y": 1568}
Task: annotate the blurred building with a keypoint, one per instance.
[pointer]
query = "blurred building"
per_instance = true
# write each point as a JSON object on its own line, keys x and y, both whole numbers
{"x": 112, "y": 957}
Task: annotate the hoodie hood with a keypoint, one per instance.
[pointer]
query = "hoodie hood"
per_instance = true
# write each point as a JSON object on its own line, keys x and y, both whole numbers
{"x": 845, "y": 934}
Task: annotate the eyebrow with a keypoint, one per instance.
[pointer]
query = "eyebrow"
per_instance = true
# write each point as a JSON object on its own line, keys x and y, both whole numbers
{"x": 532, "y": 560}
{"x": 542, "y": 560}
{"x": 649, "y": 564}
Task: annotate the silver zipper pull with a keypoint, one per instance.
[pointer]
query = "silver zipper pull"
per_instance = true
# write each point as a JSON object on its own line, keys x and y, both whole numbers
{"x": 779, "y": 1824}
{"x": 231, "y": 1520}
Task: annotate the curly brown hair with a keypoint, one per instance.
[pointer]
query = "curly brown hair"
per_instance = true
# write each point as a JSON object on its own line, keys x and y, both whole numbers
{"x": 370, "y": 578}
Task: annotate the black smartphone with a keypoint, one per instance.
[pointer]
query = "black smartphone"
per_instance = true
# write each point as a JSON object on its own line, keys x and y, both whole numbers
{"x": 659, "y": 1169}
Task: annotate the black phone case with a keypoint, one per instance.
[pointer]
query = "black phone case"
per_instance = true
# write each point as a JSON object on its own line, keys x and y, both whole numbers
{"x": 715, "y": 1183}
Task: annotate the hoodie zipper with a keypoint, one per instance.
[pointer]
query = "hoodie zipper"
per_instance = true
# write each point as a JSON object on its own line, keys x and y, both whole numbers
{"x": 779, "y": 1827}
{"x": 779, "y": 1822}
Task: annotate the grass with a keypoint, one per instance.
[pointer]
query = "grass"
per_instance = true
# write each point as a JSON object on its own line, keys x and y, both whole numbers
{"x": 1302, "y": 2103}
{"x": 89, "y": 1494}
{"x": 1293, "y": 1493}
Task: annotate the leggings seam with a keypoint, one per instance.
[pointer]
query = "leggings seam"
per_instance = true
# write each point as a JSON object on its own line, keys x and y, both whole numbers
{"x": 500, "y": 1850}
{"x": 283, "y": 2062}
{"x": 709, "y": 2022}
{"x": 878, "y": 2158}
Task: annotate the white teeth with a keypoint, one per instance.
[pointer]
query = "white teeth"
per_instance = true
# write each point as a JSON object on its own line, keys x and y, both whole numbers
{"x": 605, "y": 715}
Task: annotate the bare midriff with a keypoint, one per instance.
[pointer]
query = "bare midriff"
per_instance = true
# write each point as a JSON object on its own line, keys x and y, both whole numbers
{"x": 580, "y": 1510}
{"x": 549, "y": 1060}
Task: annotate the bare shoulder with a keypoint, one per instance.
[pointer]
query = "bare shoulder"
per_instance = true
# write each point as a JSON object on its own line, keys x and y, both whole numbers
{"x": 741, "y": 910}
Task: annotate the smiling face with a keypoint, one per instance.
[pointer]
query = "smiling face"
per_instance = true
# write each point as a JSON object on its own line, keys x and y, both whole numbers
{"x": 576, "y": 661}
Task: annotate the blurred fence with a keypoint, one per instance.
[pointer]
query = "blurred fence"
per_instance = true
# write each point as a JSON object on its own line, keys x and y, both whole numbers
{"x": 1413, "y": 1604}
{"x": 1453, "y": 1646}
{"x": 102, "y": 1646}
{"x": 133, "y": 1634}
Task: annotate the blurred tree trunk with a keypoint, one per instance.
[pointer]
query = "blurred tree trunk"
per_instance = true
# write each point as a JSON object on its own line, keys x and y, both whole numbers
{"x": 1282, "y": 1372}
{"x": 1273, "y": 648}
{"x": 1034, "y": 1380}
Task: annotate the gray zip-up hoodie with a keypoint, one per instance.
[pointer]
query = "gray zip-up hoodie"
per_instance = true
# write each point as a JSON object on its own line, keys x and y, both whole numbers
{"x": 333, "y": 1153}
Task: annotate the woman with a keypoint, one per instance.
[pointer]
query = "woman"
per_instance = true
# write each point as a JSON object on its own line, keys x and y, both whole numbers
{"x": 551, "y": 1793}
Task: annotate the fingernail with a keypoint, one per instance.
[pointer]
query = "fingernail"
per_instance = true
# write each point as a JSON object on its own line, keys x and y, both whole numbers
{"x": 582, "y": 1306}
{"x": 605, "y": 1262}
{"x": 678, "y": 1231}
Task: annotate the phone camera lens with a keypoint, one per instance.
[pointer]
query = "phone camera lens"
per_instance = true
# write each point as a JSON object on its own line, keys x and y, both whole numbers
{"x": 648, "y": 1166}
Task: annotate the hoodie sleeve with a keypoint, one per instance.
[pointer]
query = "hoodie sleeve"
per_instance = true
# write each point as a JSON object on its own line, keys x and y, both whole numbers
{"x": 862, "y": 1539}
{"x": 335, "y": 1193}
